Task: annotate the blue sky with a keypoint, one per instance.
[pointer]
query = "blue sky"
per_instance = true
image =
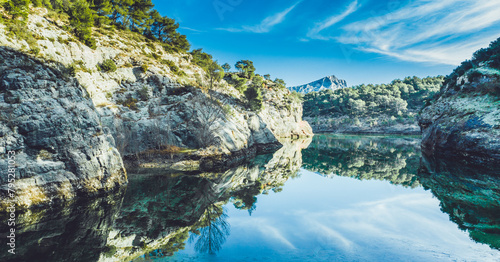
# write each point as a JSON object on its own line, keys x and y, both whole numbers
{"x": 361, "y": 41}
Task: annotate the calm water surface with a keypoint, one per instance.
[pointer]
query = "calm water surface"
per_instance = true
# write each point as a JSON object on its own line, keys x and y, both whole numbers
{"x": 337, "y": 198}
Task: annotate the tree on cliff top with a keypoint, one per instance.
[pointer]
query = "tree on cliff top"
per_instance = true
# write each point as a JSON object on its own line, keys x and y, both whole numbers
{"x": 215, "y": 73}
{"x": 254, "y": 95}
{"x": 246, "y": 68}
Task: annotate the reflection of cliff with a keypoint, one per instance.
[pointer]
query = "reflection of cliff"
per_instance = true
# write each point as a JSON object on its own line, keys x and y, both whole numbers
{"x": 72, "y": 232}
{"x": 155, "y": 215}
{"x": 394, "y": 159}
{"x": 469, "y": 195}
{"x": 159, "y": 210}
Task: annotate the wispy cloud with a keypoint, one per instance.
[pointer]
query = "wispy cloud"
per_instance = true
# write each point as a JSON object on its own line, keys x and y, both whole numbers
{"x": 314, "y": 33}
{"x": 191, "y": 29}
{"x": 266, "y": 25}
{"x": 445, "y": 32}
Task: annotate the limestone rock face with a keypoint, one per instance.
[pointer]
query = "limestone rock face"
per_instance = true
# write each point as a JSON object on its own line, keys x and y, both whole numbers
{"x": 52, "y": 127}
{"x": 329, "y": 82}
{"x": 284, "y": 116}
{"x": 464, "y": 122}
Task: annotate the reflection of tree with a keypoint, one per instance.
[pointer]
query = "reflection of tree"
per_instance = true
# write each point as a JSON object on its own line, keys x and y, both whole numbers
{"x": 213, "y": 230}
{"x": 364, "y": 158}
{"x": 245, "y": 199}
{"x": 469, "y": 195}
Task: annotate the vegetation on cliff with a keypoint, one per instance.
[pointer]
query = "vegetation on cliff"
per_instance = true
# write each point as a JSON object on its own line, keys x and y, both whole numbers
{"x": 135, "y": 15}
{"x": 484, "y": 62}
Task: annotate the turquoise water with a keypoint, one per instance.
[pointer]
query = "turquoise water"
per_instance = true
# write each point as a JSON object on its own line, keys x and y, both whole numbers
{"x": 335, "y": 198}
{"x": 341, "y": 219}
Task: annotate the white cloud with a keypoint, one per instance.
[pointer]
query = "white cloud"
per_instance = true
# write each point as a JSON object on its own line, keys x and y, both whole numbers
{"x": 266, "y": 25}
{"x": 314, "y": 33}
{"x": 444, "y": 32}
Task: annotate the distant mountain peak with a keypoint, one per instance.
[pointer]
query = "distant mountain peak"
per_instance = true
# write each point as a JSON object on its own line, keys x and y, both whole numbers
{"x": 328, "y": 82}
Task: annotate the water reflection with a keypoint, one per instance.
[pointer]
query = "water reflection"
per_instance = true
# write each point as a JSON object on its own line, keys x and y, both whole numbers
{"x": 393, "y": 159}
{"x": 469, "y": 195}
{"x": 161, "y": 213}
{"x": 74, "y": 231}
{"x": 212, "y": 231}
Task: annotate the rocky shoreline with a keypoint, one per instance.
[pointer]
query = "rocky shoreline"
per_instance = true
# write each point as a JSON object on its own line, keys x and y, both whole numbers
{"x": 464, "y": 125}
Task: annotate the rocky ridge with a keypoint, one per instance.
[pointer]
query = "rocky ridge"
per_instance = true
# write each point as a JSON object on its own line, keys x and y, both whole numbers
{"x": 329, "y": 82}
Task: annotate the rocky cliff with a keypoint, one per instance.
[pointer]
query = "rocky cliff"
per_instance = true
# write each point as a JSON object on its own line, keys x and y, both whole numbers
{"x": 73, "y": 111}
{"x": 329, "y": 82}
{"x": 51, "y": 126}
{"x": 464, "y": 122}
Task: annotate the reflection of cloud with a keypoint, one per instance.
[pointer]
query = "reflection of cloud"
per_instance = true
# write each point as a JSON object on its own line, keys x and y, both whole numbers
{"x": 414, "y": 199}
{"x": 445, "y": 32}
{"x": 266, "y": 25}
{"x": 273, "y": 232}
{"x": 329, "y": 233}
{"x": 396, "y": 223}
{"x": 265, "y": 228}
{"x": 315, "y": 32}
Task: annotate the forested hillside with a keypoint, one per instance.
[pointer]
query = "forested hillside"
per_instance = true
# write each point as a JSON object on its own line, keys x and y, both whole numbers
{"x": 366, "y": 107}
{"x": 136, "y": 15}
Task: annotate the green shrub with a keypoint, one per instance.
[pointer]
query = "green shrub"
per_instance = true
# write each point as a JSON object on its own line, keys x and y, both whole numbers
{"x": 81, "y": 19}
{"x": 144, "y": 68}
{"x": 130, "y": 103}
{"x": 108, "y": 65}
{"x": 35, "y": 50}
{"x": 143, "y": 93}
{"x": 474, "y": 74}
{"x": 254, "y": 97}
{"x": 17, "y": 8}
{"x": 71, "y": 70}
